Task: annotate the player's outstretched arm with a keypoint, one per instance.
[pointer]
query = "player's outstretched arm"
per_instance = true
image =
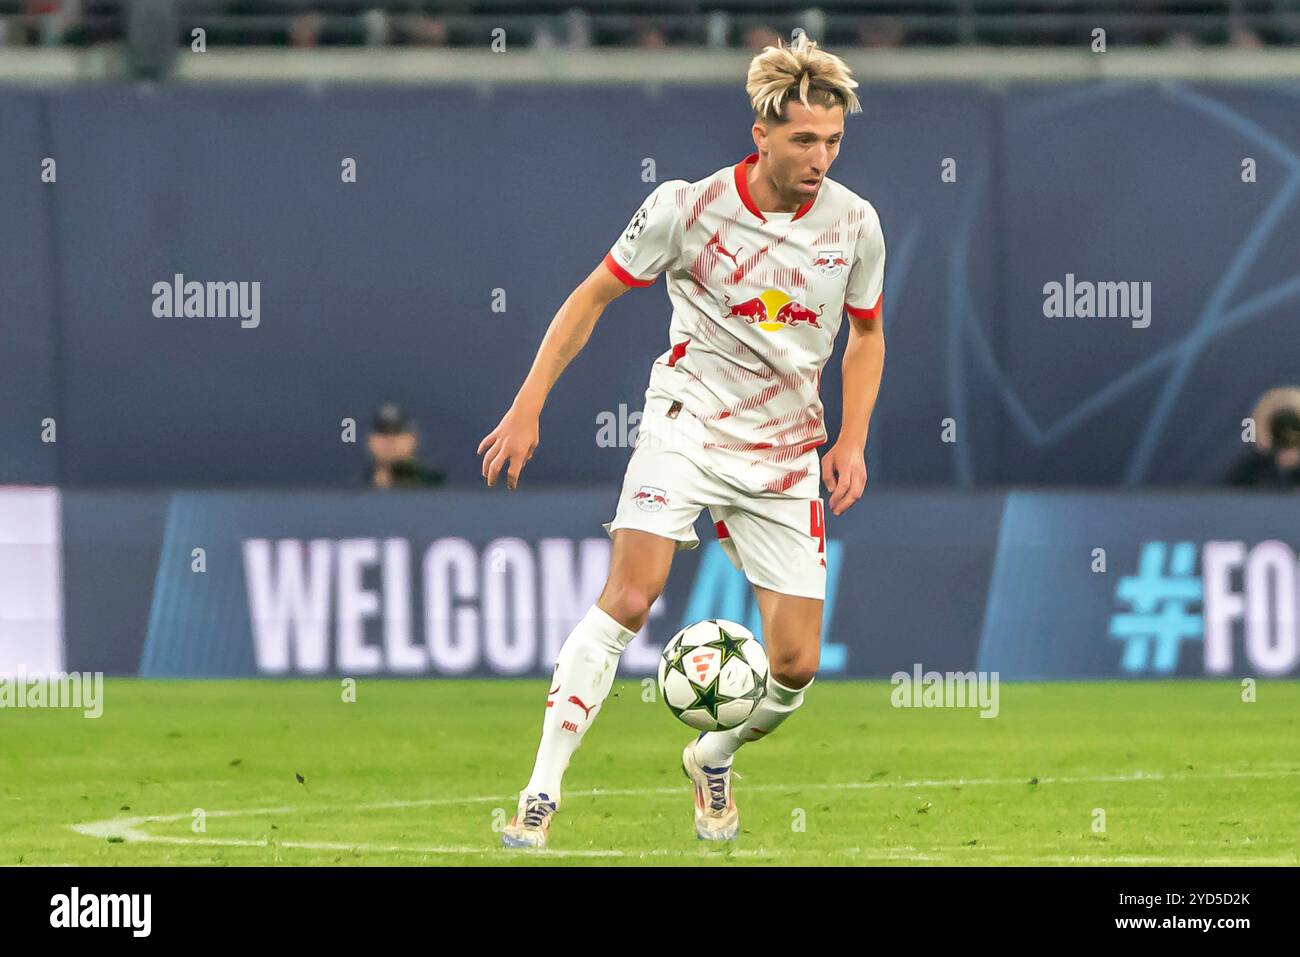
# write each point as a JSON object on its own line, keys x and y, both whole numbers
{"x": 512, "y": 443}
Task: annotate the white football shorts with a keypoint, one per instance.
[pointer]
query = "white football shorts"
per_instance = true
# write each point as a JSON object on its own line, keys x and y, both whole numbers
{"x": 777, "y": 539}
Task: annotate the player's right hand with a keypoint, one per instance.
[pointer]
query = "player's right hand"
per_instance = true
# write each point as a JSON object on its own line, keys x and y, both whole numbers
{"x": 513, "y": 441}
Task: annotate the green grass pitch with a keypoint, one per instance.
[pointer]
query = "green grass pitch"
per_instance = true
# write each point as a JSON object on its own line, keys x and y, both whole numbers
{"x": 422, "y": 772}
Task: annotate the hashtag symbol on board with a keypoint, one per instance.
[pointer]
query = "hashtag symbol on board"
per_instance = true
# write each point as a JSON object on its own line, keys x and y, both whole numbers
{"x": 1160, "y": 615}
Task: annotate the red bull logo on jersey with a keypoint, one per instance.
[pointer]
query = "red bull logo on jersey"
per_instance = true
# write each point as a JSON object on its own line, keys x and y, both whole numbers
{"x": 773, "y": 310}
{"x": 829, "y": 262}
{"x": 650, "y": 499}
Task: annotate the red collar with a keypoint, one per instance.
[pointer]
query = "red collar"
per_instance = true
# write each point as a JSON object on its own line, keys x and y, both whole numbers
{"x": 742, "y": 187}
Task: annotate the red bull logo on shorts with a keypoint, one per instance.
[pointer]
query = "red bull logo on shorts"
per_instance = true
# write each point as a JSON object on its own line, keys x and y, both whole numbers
{"x": 773, "y": 310}
{"x": 650, "y": 499}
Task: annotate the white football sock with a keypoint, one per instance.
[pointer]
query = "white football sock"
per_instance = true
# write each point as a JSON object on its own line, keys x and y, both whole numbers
{"x": 717, "y": 748}
{"x": 584, "y": 671}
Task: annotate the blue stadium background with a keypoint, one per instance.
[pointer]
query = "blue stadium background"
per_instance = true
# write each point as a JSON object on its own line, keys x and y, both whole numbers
{"x": 382, "y": 289}
{"x": 180, "y": 433}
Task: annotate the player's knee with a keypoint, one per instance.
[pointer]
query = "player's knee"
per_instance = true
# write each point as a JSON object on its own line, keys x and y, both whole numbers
{"x": 627, "y": 603}
{"x": 795, "y": 671}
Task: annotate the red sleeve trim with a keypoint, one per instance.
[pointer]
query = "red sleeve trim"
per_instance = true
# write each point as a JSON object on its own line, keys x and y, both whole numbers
{"x": 872, "y": 313}
{"x": 625, "y": 277}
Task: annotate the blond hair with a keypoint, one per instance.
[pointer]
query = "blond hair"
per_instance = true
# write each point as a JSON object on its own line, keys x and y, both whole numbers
{"x": 818, "y": 77}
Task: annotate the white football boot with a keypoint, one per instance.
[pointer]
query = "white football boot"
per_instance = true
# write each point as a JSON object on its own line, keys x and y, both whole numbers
{"x": 532, "y": 821}
{"x": 716, "y": 815}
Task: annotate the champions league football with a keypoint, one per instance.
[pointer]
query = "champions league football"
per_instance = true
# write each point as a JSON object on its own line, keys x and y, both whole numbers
{"x": 713, "y": 674}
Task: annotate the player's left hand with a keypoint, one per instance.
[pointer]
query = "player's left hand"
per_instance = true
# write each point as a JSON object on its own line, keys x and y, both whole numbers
{"x": 844, "y": 470}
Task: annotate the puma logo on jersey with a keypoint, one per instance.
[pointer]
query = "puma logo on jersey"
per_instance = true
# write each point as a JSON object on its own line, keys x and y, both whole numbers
{"x": 716, "y": 243}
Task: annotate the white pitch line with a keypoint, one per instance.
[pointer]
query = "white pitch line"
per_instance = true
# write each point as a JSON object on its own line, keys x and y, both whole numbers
{"x": 128, "y": 829}
{"x": 684, "y": 788}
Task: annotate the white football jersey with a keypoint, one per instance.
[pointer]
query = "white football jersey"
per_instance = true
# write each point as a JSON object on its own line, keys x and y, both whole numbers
{"x": 757, "y": 301}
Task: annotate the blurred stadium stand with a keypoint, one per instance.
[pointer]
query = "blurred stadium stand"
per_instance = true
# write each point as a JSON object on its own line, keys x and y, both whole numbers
{"x": 672, "y": 23}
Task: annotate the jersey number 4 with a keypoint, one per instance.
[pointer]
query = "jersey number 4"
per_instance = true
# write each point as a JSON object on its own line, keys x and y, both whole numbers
{"x": 817, "y": 523}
